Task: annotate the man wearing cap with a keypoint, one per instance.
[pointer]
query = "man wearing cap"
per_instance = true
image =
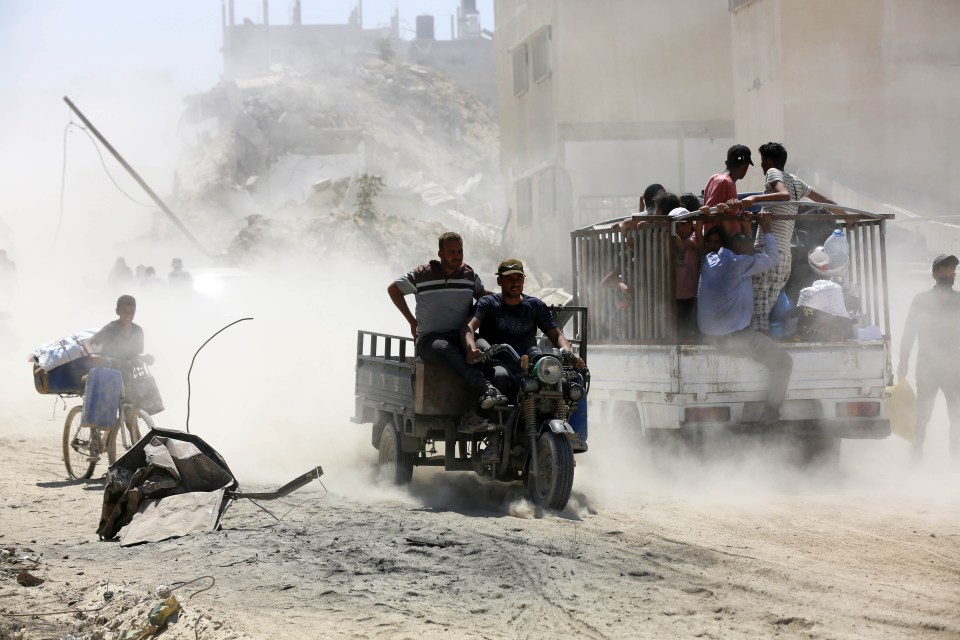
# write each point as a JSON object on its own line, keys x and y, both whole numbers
{"x": 721, "y": 190}
{"x": 725, "y": 308}
{"x": 444, "y": 290}
{"x": 511, "y": 317}
{"x": 932, "y": 321}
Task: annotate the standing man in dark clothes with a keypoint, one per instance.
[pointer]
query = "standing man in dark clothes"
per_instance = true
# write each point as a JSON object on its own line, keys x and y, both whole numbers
{"x": 445, "y": 290}
{"x": 932, "y": 321}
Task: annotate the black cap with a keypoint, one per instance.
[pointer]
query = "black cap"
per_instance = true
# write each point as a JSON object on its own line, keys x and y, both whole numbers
{"x": 943, "y": 260}
{"x": 739, "y": 153}
{"x": 510, "y": 266}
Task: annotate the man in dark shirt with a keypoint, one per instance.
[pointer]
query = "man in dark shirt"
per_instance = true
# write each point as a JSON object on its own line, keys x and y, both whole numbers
{"x": 510, "y": 317}
{"x": 932, "y": 322}
{"x": 121, "y": 339}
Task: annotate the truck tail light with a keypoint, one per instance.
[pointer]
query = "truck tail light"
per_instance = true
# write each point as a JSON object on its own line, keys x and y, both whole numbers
{"x": 858, "y": 409}
{"x": 706, "y": 414}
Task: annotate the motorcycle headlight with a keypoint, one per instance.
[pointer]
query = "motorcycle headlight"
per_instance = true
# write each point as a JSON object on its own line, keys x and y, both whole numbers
{"x": 548, "y": 370}
{"x": 576, "y": 392}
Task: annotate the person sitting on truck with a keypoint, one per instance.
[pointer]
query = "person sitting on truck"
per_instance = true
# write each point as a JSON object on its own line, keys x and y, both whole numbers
{"x": 721, "y": 189}
{"x": 714, "y": 239}
{"x": 780, "y": 186}
{"x": 689, "y": 242}
{"x": 511, "y": 317}
{"x": 445, "y": 290}
{"x": 120, "y": 339}
{"x": 725, "y": 308}
{"x": 932, "y": 321}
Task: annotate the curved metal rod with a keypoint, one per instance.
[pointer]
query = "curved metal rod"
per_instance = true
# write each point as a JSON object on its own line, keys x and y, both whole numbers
{"x": 195, "y": 358}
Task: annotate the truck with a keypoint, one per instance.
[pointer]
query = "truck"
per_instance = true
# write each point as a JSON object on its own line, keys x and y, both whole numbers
{"x": 646, "y": 379}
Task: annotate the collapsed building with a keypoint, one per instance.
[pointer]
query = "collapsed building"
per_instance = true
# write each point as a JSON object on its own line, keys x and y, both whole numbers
{"x": 275, "y": 163}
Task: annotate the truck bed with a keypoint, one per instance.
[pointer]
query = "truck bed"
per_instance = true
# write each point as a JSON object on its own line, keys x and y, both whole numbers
{"x": 837, "y": 386}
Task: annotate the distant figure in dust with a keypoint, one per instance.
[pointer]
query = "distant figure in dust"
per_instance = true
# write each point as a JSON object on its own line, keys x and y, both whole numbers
{"x": 932, "y": 321}
{"x": 120, "y": 276}
{"x": 179, "y": 277}
{"x": 150, "y": 278}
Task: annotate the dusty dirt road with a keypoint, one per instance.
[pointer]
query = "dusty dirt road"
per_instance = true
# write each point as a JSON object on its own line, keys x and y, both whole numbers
{"x": 721, "y": 552}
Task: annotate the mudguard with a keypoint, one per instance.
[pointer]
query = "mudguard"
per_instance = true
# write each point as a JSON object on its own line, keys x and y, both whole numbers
{"x": 560, "y": 426}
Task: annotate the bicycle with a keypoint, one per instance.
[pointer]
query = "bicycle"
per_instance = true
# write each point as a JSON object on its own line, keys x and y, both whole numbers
{"x": 84, "y": 444}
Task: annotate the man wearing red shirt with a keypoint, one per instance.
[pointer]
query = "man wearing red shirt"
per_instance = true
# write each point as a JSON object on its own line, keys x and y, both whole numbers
{"x": 721, "y": 189}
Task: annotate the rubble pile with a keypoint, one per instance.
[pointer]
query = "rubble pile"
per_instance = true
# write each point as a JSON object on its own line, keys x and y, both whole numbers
{"x": 276, "y": 159}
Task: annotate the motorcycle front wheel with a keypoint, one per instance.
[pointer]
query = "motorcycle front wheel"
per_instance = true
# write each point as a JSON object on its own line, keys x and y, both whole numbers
{"x": 553, "y": 482}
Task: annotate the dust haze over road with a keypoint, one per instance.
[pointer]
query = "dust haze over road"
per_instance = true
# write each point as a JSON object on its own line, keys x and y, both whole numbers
{"x": 733, "y": 547}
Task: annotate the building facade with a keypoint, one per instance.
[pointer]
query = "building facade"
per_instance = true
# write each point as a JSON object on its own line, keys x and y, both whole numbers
{"x": 861, "y": 92}
{"x": 600, "y": 99}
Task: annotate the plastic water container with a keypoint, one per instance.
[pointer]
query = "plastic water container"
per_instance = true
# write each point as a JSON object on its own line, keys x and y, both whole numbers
{"x": 837, "y": 248}
{"x": 578, "y": 420}
{"x": 101, "y": 398}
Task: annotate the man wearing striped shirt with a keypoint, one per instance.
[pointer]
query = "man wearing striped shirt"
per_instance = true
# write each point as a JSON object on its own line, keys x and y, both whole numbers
{"x": 445, "y": 290}
{"x": 780, "y": 186}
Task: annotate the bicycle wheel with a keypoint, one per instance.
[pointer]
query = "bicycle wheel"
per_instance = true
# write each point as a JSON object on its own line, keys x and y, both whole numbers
{"x": 81, "y": 445}
{"x": 131, "y": 426}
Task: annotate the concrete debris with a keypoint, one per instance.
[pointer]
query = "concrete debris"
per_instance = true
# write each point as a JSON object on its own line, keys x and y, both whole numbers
{"x": 296, "y": 143}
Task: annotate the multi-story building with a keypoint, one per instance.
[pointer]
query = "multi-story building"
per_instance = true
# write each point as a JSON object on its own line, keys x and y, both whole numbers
{"x": 863, "y": 94}
{"x": 600, "y": 99}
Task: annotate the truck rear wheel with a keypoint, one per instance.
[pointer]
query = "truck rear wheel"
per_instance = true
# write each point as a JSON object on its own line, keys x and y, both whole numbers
{"x": 820, "y": 451}
{"x": 553, "y": 483}
{"x": 393, "y": 463}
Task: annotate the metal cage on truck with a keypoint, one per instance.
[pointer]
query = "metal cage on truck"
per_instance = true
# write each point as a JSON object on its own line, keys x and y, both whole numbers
{"x": 642, "y": 373}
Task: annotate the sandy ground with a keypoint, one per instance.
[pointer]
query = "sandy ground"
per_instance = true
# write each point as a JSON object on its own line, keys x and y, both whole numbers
{"x": 746, "y": 554}
{"x": 731, "y": 548}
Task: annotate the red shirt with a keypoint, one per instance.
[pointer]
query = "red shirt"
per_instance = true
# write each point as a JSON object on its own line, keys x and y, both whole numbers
{"x": 720, "y": 188}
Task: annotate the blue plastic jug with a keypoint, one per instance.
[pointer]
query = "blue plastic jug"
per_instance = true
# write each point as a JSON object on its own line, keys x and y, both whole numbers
{"x": 101, "y": 397}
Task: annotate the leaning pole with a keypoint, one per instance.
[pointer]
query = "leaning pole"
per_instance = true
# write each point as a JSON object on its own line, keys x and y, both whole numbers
{"x": 137, "y": 177}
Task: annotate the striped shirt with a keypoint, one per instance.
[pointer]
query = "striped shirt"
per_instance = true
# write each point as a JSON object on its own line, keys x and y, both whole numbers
{"x": 443, "y": 302}
{"x": 782, "y": 229}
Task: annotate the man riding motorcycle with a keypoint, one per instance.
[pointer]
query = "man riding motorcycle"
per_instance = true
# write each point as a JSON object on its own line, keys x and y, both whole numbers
{"x": 511, "y": 317}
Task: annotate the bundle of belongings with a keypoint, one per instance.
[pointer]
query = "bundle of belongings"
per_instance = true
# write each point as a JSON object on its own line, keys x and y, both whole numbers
{"x": 822, "y": 314}
{"x": 59, "y": 366}
{"x": 167, "y": 485}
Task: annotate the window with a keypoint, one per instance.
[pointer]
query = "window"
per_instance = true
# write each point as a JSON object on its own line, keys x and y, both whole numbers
{"x": 540, "y": 49}
{"x": 524, "y": 202}
{"x": 547, "y": 201}
{"x": 520, "y": 82}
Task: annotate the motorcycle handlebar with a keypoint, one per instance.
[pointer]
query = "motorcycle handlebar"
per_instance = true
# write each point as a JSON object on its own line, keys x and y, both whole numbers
{"x": 494, "y": 350}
